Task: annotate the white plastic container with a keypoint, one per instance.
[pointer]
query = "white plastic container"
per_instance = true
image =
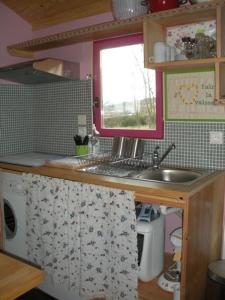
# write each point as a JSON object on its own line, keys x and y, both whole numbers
{"x": 125, "y": 9}
{"x": 159, "y": 52}
{"x": 152, "y": 254}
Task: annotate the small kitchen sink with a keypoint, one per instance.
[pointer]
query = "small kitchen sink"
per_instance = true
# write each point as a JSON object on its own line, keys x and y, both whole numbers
{"x": 171, "y": 175}
{"x": 138, "y": 171}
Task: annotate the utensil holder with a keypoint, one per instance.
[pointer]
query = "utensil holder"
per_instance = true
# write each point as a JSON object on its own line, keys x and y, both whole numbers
{"x": 81, "y": 150}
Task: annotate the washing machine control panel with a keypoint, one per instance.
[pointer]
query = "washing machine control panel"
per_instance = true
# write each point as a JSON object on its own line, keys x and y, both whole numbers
{"x": 12, "y": 183}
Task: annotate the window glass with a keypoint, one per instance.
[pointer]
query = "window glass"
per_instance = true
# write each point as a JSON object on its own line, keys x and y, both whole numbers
{"x": 127, "y": 91}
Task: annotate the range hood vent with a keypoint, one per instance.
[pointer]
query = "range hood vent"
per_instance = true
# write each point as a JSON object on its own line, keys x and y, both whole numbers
{"x": 41, "y": 71}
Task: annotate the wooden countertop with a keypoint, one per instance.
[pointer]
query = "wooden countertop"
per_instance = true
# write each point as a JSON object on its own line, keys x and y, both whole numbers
{"x": 17, "y": 277}
{"x": 176, "y": 194}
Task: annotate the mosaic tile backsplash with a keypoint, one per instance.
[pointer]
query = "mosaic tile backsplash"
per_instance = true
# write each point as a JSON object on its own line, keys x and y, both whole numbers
{"x": 16, "y": 117}
{"x": 44, "y": 118}
{"x": 192, "y": 145}
{"x": 56, "y": 110}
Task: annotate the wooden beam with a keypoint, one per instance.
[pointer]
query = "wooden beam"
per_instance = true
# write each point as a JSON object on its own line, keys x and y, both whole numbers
{"x": 42, "y": 13}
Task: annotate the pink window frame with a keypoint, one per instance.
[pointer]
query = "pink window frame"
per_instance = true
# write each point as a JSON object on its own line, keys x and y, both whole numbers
{"x": 105, "y": 132}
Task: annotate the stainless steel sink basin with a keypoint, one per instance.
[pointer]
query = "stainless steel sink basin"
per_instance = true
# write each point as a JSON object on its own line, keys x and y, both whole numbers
{"x": 175, "y": 175}
{"x": 172, "y": 175}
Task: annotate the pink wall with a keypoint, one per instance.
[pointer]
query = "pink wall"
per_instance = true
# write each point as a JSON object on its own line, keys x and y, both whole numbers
{"x": 13, "y": 29}
{"x": 172, "y": 222}
{"x": 82, "y": 52}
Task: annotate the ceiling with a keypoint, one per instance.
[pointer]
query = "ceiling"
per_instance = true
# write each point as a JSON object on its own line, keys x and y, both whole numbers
{"x": 43, "y": 13}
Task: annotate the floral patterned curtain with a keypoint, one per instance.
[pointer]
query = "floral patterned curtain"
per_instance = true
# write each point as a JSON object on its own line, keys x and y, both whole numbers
{"x": 83, "y": 236}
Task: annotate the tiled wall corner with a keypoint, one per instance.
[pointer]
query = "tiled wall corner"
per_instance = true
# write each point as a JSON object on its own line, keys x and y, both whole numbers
{"x": 43, "y": 117}
{"x": 56, "y": 108}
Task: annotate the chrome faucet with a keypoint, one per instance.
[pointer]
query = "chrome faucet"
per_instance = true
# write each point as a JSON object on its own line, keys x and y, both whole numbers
{"x": 156, "y": 160}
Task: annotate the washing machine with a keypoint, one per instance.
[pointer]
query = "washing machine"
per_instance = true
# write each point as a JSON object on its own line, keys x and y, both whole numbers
{"x": 14, "y": 206}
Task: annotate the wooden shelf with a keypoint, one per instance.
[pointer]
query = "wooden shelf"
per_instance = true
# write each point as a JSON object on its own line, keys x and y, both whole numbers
{"x": 194, "y": 63}
{"x": 90, "y": 33}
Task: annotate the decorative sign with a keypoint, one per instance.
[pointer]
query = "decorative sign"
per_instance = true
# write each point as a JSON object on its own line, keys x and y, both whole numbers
{"x": 190, "y": 96}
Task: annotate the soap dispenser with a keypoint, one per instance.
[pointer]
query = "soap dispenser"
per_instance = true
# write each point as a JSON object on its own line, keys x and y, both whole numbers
{"x": 94, "y": 143}
{"x": 96, "y": 146}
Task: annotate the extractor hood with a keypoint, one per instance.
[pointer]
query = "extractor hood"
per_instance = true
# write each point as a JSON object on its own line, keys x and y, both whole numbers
{"x": 41, "y": 71}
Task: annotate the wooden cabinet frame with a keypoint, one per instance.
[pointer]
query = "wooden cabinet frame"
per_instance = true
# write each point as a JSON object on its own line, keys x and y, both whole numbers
{"x": 155, "y": 31}
{"x": 202, "y": 238}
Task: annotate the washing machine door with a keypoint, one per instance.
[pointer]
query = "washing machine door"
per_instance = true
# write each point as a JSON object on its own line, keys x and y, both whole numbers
{"x": 10, "y": 222}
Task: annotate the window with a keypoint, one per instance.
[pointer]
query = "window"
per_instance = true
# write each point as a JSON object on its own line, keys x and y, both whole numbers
{"x": 130, "y": 97}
